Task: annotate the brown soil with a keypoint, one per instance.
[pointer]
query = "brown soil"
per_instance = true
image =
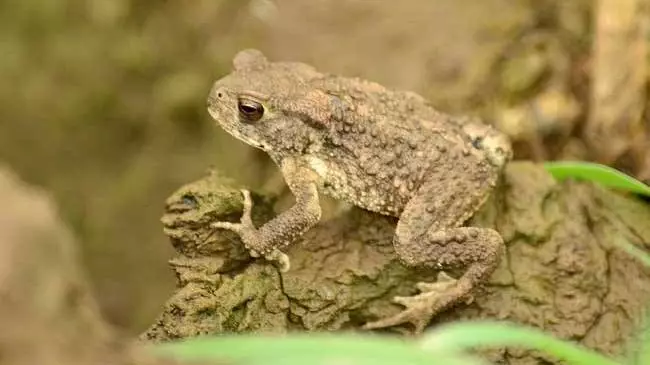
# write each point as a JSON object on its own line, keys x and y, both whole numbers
{"x": 563, "y": 271}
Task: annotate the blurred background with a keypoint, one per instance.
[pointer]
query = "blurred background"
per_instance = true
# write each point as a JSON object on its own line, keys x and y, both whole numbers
{"x": 102, "y": 102}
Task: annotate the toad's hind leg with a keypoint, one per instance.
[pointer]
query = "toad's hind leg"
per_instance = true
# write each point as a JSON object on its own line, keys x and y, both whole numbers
{"x": 428, "y": 235}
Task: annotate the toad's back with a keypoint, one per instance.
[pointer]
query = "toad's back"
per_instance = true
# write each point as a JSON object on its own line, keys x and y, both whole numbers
{"x": 388, "y": 144}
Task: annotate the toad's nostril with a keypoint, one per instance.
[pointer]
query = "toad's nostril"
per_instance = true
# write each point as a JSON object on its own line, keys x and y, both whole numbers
{"x": 217, "y": 93}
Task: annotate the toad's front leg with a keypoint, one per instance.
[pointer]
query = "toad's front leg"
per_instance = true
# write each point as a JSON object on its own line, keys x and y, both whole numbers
{"x": 289, "y": 225}
{"x": 421, "y": 240}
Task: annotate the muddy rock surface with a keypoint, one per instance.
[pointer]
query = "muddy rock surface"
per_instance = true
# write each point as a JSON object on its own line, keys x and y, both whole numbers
{"x": 563, "y": 272}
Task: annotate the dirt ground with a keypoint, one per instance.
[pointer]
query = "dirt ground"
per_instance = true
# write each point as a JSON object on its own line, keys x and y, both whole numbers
{"x": 103, "y": 102}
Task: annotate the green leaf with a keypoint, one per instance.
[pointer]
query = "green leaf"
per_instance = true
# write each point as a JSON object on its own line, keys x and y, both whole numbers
{"x": 464, "y": 336}
{"x": 601, "y": 174}
{"x": 309, "y": 349}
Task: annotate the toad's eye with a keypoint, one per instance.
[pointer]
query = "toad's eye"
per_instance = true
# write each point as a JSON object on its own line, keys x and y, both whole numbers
{"x": 249, "y": 110}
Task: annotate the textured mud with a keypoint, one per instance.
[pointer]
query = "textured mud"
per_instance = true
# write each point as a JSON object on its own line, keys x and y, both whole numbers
{"x": 563, "y": 271}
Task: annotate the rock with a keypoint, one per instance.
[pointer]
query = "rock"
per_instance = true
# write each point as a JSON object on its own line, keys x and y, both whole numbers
{"x": 563, "y": 271}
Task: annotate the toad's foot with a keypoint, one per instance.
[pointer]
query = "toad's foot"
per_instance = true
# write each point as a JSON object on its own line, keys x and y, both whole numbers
{"x": 420, "y": 308}
{"x": 249, "y": 235}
